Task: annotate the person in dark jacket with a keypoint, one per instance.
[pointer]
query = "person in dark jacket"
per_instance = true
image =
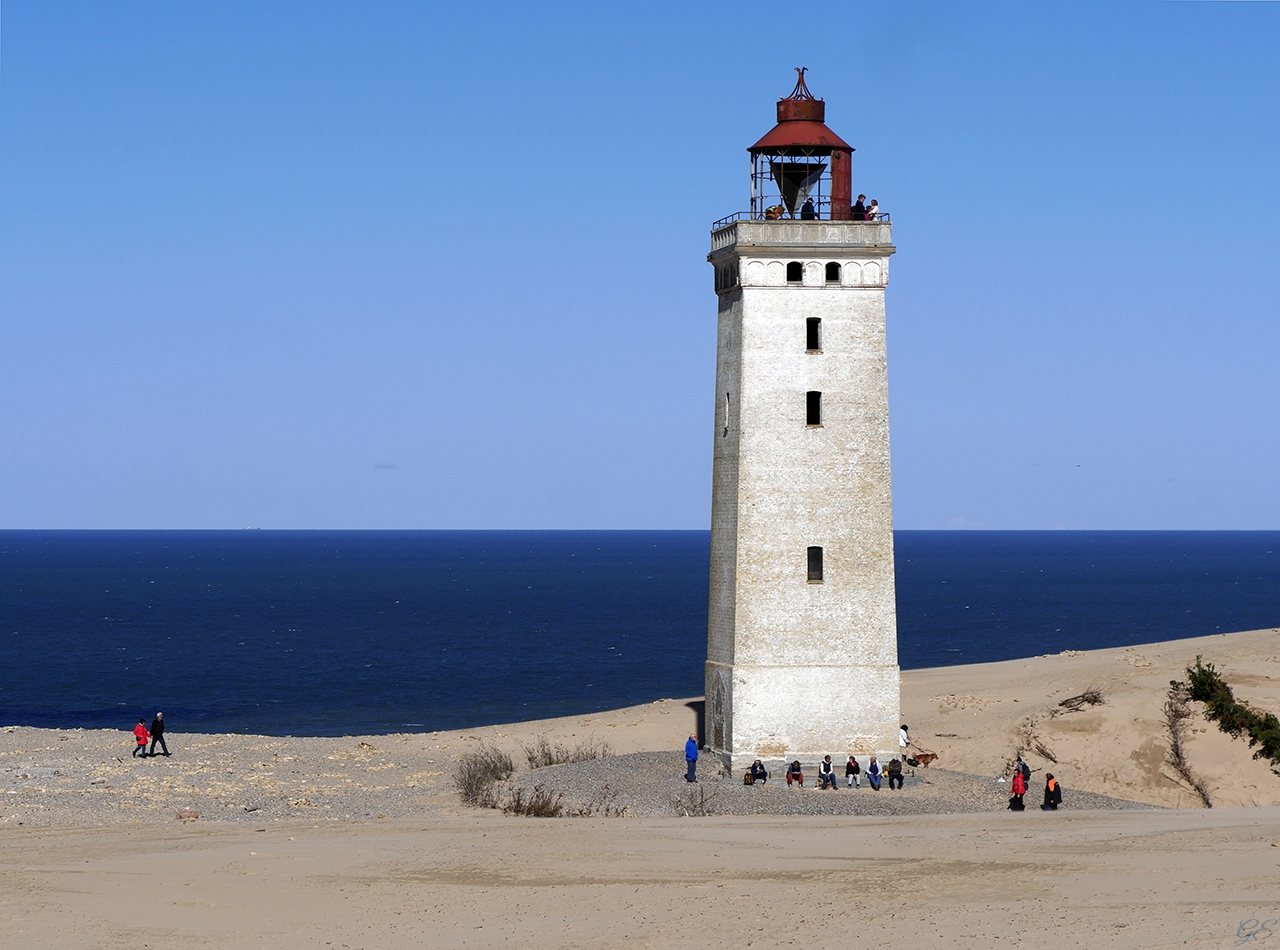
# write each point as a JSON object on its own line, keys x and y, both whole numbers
{"x": 860, "y": 209}
{"x": 827, "y": 774}
{"x": 853, "y": 772}
{"x": 691, "y": 759}
{"x": 758, "y": 772}
{"x": 895, "y": 773}
{"x": 1025, "y": 770}
{"x": 140, "y": 738}
{"x": 873, "y": 774}
{"x": 157, "y": 734}
{"x": 1052, "y": 793}
{"x": 806, "y": 210}
{"x": 795, "y": 774}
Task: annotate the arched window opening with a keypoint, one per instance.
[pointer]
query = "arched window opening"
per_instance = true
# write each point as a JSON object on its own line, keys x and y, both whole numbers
{"x": 795, "y": 272}
{"x": 833, "y": 273}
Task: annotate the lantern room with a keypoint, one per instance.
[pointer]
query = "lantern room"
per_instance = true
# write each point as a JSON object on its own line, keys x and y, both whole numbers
{"x": 801, "y": 169}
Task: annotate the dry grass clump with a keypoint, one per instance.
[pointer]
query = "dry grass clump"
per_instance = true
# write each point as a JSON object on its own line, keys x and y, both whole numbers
{"x": 477, "y": 774}
{"x": 1176, "y": 714}
{"x": 539, "y": 802}
{"x": 695, "y": 802}
{"x": 542, "y": 752}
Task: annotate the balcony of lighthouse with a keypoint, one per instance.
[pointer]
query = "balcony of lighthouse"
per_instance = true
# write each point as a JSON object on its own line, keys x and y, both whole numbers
{"x": 743, "y": 231}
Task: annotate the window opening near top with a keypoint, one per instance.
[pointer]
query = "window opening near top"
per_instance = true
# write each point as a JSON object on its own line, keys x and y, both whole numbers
{"x": 813, "y": 408}
{"x": 815, "y": 564}
{"x": 813, "y": 334}
{"x": 726, "y": 415}
{"x": 795, "y": 272}
{"x": 833, "y": 273}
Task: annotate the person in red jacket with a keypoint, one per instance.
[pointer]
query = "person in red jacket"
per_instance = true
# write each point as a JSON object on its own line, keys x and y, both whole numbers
{"x": 1019, "y": 789}
{"x": 140, "y": 733}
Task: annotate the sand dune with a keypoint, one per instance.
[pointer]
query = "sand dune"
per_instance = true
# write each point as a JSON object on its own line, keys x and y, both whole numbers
{"x": 977, "y": 717}
{"x": 312, "y": 865}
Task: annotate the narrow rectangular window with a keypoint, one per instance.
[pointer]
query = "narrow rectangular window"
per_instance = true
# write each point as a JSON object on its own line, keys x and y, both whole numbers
{"x": 813, "y": 334}
{"x": 813, "y": 408}
{"x": 726, "y": 415}
{"x": 815, "y": 564}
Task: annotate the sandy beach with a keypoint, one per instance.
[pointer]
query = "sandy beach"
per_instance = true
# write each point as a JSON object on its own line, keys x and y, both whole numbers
{"x": 362, "y": 841}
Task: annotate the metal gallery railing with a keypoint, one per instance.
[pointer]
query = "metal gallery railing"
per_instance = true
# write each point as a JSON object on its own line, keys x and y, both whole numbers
{"x": 767, "y": 216}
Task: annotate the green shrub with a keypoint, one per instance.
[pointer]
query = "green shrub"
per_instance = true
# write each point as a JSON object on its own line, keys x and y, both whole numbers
{"x": 1205, "y": 684}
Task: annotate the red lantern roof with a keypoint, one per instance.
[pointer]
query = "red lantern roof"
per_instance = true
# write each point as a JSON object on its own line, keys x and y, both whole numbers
{"x": 800, "y": 126}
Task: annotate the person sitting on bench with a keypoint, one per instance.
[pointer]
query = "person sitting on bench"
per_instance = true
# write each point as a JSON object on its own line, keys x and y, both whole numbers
{"x": 873, "y": 774}
{"x": 794, "y": 774}
{"x": 827, "y": 774}
{"x": 895, "y": 773}
{"x": 758, "y": 773}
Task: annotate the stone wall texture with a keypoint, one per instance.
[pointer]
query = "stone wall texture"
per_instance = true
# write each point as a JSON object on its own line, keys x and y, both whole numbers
{"x": 795, "y": 668}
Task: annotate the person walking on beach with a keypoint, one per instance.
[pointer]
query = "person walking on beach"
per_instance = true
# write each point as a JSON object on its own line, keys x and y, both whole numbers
{"x": 853, "y": 772}
{"x": 904, "y": 740}
{"x": 1052, "y": 793}
{"x": 140, "y": 736}
{"x": 691, "y": 758}
{"x": 157, "y": 734}
{"x": 1019, "y": 789}
{"x": 873, "y": 774}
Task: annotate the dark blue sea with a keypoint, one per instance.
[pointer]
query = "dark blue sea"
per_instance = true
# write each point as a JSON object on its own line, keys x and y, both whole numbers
{"x": 332, "y": 633}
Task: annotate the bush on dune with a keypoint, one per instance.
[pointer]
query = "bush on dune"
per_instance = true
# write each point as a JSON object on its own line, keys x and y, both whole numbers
{"x": 1206, "y": 685}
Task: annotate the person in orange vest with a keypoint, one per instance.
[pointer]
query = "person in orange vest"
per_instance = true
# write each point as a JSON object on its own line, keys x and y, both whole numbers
{"x": 141, "y": 735}
{"x": 1019, "y": 789}
{"x": 1052, "y": 793}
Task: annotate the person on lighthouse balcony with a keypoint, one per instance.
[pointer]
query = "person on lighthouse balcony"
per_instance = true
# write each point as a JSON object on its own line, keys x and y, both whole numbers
{"x": 806, "y": 211}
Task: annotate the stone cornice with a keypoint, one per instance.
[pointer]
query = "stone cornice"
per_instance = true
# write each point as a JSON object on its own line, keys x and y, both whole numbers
{"x": 803, "y": 239}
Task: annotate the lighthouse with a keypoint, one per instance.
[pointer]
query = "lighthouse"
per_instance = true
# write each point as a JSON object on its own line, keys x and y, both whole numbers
{"x": 802, "y": 644}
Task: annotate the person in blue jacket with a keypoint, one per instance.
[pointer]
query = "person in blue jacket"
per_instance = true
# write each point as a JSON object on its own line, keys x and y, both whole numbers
{"x": 691, "y": 758}
{"x": 873, "y": 774}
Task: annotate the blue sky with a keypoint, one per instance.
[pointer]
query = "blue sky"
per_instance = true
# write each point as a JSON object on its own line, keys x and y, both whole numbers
{"x": 411, "y": 266}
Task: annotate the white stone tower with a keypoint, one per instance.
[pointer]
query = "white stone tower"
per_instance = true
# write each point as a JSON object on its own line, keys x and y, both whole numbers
{"x": 802, "y": 643}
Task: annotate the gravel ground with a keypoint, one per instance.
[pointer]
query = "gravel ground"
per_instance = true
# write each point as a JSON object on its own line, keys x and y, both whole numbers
{"x": 651, "y": 784}
{"x": 75, "y": 776}
{"x": 79, "y": 776}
